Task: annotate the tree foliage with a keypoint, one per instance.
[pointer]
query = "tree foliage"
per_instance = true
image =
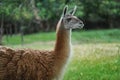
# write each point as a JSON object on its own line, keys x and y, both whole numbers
{"x": 94, "y": 13}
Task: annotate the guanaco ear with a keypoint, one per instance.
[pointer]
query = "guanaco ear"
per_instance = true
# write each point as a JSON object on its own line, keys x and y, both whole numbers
{"x": 72, "y": 12}
{"x": 65, "y": 10}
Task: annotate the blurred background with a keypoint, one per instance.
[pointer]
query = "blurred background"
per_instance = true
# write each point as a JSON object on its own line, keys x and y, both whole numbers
{"x": 32, "y": 16}
{"x": 32, "y": 24}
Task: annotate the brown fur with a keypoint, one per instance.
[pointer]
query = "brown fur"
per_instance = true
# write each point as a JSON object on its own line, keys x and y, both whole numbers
{"x": 25, "y": 64}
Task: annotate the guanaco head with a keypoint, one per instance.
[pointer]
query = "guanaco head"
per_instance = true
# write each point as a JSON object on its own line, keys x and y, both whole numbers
{"x": 69, "y": 20}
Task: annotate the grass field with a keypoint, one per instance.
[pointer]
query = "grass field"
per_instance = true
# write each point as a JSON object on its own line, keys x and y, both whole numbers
{"x": 95, "y": 62}
{"x": 92, "y": 36}
{"x": 96, "y": 53}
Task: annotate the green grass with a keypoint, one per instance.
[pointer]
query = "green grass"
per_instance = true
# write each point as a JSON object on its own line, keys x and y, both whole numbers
{"x": 97, "y": 36}
{"x": 16, "y": 39}
{"x": 93, "y": 36}
{"x": 95, "y": 62}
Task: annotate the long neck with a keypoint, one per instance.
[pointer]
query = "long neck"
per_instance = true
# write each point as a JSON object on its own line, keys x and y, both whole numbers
{"x": 62, "y": 48}
{"x": 63, "y": 41}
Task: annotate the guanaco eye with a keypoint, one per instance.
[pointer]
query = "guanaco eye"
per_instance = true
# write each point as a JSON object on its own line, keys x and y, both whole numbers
{"x": 69, "y": 19}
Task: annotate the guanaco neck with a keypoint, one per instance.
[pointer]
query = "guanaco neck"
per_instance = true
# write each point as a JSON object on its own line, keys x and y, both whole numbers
{"x": 63, "y": 41}
{"x": 62, "y": 48}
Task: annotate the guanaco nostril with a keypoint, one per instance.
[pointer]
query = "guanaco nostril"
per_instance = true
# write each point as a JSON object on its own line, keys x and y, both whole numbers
{"x": 81, "y": 24}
